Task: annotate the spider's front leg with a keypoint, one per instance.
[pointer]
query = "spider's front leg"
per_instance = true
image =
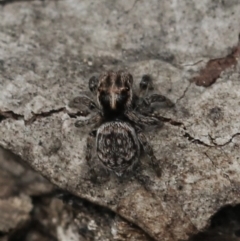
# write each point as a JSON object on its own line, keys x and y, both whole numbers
{"x": 145, "y": 103}
{"x": 157, "y": 98}
{"x": 94, "y": 119}
{"x": 149, "y": 151}
{"x": 141, "y": 120}
{"x": 83, "y": 102}
{"x": 86, "y": 107}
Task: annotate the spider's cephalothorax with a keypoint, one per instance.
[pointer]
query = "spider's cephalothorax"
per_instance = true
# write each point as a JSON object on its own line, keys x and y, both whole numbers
{"x": 119, "y": 120}
{"x": 114, "y": 92}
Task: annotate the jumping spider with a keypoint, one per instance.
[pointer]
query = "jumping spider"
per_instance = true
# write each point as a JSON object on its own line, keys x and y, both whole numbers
{"x": 119, "y": 118}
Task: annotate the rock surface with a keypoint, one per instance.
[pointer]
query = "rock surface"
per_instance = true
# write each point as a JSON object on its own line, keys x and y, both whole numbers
{"x": 48, "y": 51}
{"x": 32, "y": 209}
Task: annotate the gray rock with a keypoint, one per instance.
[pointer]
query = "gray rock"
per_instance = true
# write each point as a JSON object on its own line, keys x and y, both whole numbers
{"x": 48, "y": 51}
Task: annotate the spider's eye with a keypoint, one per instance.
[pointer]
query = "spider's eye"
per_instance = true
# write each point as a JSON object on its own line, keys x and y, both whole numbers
{"x": 127, "y": 88}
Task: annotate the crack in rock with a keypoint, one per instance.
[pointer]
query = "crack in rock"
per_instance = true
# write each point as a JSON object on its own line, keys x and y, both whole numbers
{"x": 195, "y": 141}
{"x": 227, "y": 142}
{"x": 43, "y": 114}
{"x": 5, "y": 2}
{"x": 11, "y": 115}
{"x": 184, "y": 93}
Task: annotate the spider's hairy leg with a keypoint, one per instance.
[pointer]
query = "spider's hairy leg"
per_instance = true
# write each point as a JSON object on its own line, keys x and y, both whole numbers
{"x": 94, "y": 119}
{"x": 144, "y": 180}
{"x": 145, "y": 85}
{"x": 144, "y": 101}
{"x": 149, "y": 151}
{"x": 157, "y": 98}
{"x": 98, "y": 173}
{"x": 93, "y": 84}
{"x": 143, "y": 120}
{"x": 90, "y": 146}
{"x": 82, "y": 101}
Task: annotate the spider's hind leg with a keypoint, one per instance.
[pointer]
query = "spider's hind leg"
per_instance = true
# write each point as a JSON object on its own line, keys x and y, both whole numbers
{"x": 149, "y": 151}
{"x": 98, "y": 173}
{"x": 143, "y": 179}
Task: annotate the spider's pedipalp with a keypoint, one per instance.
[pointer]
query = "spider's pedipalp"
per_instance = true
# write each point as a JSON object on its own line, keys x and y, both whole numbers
{"x": 93, "y": 84}
{"x": 146, "y": 83}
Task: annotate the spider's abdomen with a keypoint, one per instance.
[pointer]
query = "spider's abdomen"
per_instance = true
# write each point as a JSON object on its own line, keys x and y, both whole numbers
{"x": 117, "y": 146}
